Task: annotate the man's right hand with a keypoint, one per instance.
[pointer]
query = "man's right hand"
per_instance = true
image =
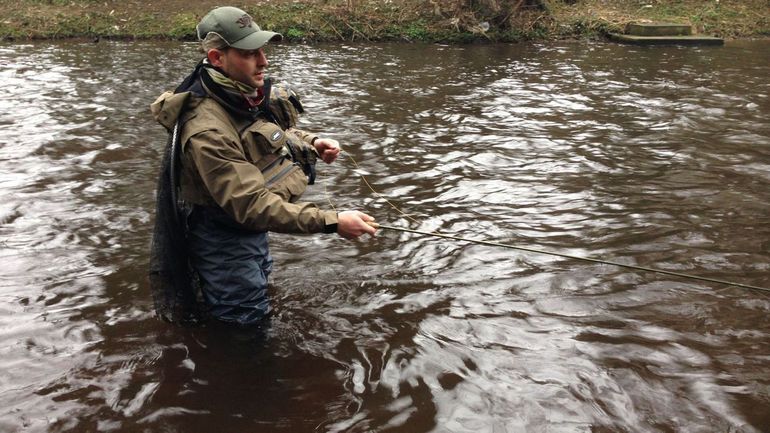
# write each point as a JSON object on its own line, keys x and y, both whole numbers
{"x": 352, "y": 224}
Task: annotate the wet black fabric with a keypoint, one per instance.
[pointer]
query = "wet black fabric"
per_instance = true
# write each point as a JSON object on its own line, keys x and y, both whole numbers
{"x": 171, "y": 279}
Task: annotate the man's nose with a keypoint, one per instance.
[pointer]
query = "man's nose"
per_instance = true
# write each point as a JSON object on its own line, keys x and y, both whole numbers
{"x": 262, "y": 58}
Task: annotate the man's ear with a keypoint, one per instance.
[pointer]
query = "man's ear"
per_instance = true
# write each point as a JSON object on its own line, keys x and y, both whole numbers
{"x": 215, "y": 57}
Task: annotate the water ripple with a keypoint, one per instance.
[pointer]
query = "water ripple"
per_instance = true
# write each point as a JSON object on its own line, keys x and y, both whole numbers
{"x": 654, "y": 157}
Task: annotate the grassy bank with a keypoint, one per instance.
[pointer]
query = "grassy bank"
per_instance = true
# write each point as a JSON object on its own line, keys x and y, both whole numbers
{"x": 382, "y": 20}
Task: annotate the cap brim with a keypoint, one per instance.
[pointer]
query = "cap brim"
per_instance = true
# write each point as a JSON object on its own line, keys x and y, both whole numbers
{"x": 256, "y": 40}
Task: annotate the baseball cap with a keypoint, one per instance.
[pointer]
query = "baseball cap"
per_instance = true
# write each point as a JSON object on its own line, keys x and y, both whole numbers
{"x": 236, "y": 27}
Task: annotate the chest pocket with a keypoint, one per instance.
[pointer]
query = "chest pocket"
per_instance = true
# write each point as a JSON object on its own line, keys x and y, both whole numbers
{"x": 265, "y": 147}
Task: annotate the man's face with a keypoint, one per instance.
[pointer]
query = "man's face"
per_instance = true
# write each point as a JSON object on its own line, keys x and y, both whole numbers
{"x": 246, "y": 66}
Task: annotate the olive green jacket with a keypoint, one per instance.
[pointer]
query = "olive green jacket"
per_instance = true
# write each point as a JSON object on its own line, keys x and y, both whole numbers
{"x": 239, "y": 166}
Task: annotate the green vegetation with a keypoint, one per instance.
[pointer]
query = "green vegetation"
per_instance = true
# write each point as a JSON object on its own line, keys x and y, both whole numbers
{"x": 181, "y": 24}
{"x": 726, "y": 18}
{"x": 381, "y": 20}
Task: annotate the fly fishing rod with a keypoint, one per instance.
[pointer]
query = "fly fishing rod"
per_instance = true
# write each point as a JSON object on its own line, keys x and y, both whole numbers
{"x": 568, "y": 256}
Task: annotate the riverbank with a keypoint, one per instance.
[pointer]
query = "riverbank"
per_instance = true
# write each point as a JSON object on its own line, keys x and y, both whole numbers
{"x": 389, "y": 20}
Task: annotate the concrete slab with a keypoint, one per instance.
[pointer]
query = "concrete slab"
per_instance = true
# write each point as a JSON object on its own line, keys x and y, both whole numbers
{"x": 658, "y": 29}
{"x": 667, "y": 40}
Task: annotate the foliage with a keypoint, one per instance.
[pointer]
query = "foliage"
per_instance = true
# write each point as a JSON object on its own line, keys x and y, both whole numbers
{"x": 295, "y": 33}
{"x": 183, "y": 26}
{"x": 416, "y": 31}
{"x": 458, "y": 21}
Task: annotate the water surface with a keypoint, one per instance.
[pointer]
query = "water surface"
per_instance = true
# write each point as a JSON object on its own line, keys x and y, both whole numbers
{"x": 655, "y": 157}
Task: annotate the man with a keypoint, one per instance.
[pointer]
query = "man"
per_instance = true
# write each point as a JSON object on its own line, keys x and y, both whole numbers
{"x": 237, "y": 178}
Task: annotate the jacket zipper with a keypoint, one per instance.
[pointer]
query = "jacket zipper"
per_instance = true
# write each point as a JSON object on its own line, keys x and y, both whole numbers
{"x": 281, "y": 174}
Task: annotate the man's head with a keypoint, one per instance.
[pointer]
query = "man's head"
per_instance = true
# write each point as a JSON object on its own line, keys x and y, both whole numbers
{"x": 234, "y": 43}
{"x": 236, "y": 29}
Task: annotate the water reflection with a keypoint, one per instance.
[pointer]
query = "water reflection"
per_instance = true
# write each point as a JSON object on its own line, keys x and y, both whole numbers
{"x": 656, "y": 157}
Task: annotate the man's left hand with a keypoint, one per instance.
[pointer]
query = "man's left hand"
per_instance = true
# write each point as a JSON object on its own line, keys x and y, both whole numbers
{"x": 327, "y": 148}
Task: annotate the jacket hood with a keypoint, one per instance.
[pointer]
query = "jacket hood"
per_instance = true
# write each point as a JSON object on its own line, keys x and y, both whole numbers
{"x": 167, "y": 108}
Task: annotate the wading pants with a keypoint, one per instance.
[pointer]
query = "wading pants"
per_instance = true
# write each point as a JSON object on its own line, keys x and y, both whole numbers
{"x": 233, "y": 265}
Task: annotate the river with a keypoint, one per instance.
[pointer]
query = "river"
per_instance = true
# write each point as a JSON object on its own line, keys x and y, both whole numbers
{"x": 656, "y": 157}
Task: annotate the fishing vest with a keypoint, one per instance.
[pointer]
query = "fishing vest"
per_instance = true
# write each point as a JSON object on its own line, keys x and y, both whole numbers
{"x": 263, "y": 143}
{"x": 280, "y": 161}
{"x": 284, "y": 106}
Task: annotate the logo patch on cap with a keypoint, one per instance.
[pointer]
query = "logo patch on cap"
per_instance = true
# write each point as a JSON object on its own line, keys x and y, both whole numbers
{"x": 244, "y": 21}
{"x": 276, "y": 136}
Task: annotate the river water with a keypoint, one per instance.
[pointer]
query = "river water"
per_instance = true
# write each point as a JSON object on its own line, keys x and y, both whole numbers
{"x": 656, "y": 157}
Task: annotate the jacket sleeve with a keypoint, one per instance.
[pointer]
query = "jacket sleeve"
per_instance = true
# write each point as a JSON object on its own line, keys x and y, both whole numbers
{"x": 238, "y": 187}
{"x": 305, "y": 136}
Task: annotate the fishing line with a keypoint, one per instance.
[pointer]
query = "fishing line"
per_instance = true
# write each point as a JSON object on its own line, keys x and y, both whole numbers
{"x": 404, "y": 214}
{"x": 568, "y": 256}
{"x": 528, "y": 249}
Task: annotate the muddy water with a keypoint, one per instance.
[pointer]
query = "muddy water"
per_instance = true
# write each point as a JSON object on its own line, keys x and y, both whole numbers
{"x": 654, "y": 157}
